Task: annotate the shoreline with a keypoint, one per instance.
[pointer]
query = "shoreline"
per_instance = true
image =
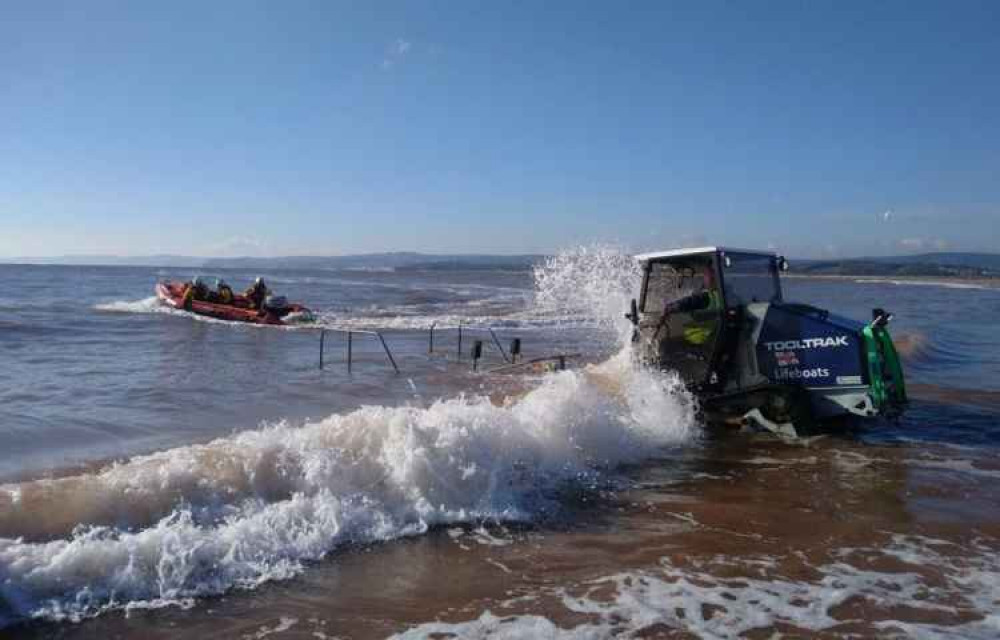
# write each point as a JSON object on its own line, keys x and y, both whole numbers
{"x": 954, "y": 281}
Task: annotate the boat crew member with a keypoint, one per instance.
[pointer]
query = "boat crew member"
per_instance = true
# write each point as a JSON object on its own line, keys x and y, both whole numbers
{"x": 199, "y": 289}
{"x": 225, "y": 293}
{"x": 257, "y": 293}
{"x": 188, "y": 296}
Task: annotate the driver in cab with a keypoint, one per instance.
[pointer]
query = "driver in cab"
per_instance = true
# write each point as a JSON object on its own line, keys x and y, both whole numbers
{"x": 705, "y": 297}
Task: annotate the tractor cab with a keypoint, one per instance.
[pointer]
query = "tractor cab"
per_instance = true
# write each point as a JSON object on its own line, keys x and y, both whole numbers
{"x": 691, "y": 297}
{"x": 716, "y": 316}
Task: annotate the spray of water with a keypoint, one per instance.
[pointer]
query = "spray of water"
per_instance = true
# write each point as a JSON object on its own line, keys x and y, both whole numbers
{"x": 592, "y": 282}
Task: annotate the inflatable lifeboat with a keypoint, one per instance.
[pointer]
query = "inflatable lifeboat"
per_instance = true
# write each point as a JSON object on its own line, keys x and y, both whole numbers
{"x": 275, "y": 310}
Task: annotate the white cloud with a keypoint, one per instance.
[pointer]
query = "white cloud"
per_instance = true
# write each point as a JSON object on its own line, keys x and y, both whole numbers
{"x": 395, "y": 52}
{"x": 238, "y": 246}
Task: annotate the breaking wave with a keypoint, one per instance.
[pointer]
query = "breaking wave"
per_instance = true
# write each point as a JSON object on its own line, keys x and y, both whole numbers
{"x": 198, "y": 520}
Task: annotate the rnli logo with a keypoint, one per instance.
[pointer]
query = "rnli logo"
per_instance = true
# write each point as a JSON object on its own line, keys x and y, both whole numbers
{"x": 808, "y": 343}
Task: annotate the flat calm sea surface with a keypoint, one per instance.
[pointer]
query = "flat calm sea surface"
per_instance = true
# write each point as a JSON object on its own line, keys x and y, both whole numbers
{"x": 168, "y": 476}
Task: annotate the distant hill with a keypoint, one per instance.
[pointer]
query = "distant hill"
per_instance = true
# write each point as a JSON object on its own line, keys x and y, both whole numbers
{"x": 398, "y": 260}
{"x": 161, "y": 260}
{"x": 952, "y": 264}
{"x": 368, "y": 260}
{"x": 374, "y": 261}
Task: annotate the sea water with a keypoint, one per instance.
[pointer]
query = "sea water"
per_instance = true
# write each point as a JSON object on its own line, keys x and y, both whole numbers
{"x": 166, "y": 475}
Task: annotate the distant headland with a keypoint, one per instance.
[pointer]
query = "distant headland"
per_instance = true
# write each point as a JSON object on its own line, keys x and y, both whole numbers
{"x": 961, "y": 265}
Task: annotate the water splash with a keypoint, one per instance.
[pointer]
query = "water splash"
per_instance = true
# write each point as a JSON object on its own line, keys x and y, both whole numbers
{"x": 593, "y": 282}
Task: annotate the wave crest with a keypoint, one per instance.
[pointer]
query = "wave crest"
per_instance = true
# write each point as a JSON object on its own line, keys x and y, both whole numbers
{"x": 253, "y": 507}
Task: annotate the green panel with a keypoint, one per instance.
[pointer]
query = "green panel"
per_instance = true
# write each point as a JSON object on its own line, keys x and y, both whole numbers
{"x": 885, "y": 373}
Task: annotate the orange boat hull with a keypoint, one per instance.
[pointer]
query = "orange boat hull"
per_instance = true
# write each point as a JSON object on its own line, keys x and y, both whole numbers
{"x": 172, "y": 294}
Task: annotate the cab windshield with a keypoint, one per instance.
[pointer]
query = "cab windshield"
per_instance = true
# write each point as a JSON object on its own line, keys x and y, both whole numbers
{"x": 750, "y": 278}
{"x": 671, "y": 281}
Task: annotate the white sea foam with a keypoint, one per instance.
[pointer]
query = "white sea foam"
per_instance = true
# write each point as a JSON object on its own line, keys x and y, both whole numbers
{"x": 283, "y": 625}
{"x": 163, "y": 528}
{"x": 698, "y": 601}
{"x": 151, "y": 304}
{"x": 926, "y": 283}
{"x": 399, "y": 319}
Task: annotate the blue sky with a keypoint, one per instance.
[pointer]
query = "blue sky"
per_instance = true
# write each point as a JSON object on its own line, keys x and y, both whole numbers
{"x": 225, "y": 128}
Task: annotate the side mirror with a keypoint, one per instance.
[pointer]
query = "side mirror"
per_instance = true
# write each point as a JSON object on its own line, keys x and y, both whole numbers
{"x": 782, "y": 264}
{"x": 633, "y": 313}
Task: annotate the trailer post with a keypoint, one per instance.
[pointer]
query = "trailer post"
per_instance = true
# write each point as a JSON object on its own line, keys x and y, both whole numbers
{"x": 350, "y": 350}
{"x": 322, "y": 339}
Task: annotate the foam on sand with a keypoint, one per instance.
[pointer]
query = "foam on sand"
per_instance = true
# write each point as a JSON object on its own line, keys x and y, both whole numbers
{"x": 957, "y": 597}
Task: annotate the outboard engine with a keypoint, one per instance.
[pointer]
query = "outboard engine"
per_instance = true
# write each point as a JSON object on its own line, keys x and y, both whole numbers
{"x": 275, "y": 303}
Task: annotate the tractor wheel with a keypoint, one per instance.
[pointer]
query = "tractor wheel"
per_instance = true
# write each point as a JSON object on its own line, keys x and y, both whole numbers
{"x": 789, "y": 406}
{"x": 783, "y": 411}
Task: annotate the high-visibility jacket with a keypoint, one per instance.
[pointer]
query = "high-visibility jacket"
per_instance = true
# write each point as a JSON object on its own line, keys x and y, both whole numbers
{"x": 698, "y": 332}
{"x": 188, "y": 297}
